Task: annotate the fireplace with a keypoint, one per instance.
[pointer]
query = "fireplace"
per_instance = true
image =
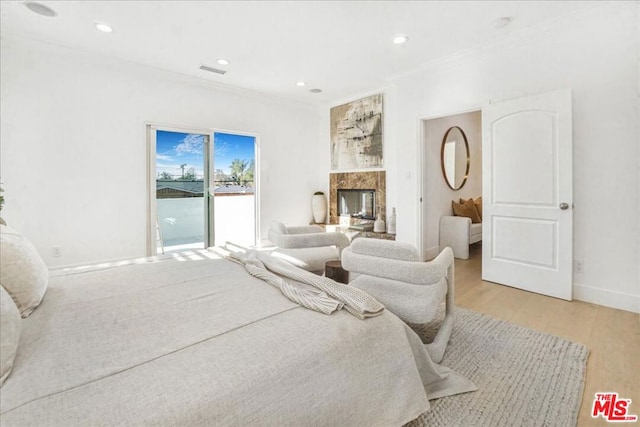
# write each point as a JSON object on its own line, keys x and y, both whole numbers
{"x": 357, "y": 203}
{"x": 364, "y": 194}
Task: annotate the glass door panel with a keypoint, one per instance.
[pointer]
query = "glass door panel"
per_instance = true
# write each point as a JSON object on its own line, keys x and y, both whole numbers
{"x": 181, "y": 190}
{"x": 234, "y": 189}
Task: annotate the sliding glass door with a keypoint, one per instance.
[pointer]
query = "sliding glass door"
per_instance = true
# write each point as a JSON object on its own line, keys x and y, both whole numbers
{"x": 201, "y": 193}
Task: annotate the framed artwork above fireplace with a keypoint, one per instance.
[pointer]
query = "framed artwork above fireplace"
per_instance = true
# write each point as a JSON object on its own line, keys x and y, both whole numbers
{"x": 356, "y": 134}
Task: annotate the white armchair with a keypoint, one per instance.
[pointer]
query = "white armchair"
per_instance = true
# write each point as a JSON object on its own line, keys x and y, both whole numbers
{"x": 457, "y": 232}
{"x": 413, "y": 290}
{"x": 308, "y": 247}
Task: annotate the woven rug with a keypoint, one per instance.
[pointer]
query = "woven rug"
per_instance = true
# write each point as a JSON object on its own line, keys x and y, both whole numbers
{"x": 524, "y": 377}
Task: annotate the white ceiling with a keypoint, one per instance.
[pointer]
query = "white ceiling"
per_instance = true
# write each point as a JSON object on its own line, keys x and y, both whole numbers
{"x": 342, "y": 47}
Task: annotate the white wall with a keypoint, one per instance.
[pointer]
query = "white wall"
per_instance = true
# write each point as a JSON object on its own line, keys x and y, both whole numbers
{"x": 73, "y": 149}
{"x": 437, "y": 194}
{"x": 596, "y": 55}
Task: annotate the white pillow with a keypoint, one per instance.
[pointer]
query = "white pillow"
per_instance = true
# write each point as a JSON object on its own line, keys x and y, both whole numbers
{"x": 10, "y": 325}
{"x": 23, "y": 274}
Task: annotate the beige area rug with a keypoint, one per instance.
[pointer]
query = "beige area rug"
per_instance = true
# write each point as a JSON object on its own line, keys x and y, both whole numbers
{"x": 524, "y": 377}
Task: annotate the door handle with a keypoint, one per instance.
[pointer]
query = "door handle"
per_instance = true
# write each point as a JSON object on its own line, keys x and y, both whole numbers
{"x": 564, "y": 206}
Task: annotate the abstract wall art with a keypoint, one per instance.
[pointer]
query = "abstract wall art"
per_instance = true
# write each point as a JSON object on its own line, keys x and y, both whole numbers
{"x": 356, "y": 134}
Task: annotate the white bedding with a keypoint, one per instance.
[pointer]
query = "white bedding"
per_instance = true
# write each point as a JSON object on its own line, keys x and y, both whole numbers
{"x": 197, "y": 341}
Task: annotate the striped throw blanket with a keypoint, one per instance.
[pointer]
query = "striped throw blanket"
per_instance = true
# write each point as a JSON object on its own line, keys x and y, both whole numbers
{"x": 307, "y": 289}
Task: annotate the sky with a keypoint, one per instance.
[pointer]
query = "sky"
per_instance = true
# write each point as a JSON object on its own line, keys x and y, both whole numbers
{"x": 176, "y": 148}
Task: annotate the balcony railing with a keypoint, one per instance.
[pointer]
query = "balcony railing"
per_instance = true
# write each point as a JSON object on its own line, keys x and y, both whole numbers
{"x": 181, "y": 220}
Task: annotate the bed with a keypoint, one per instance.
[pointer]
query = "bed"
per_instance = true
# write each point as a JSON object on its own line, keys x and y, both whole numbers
{"x": 194, "y": 340}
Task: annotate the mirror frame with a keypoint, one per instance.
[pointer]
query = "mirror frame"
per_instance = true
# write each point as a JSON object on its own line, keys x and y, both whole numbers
{"x": 466, "y": 146}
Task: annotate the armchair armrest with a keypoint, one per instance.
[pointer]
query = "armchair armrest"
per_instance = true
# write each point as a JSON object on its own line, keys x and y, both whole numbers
{"x": 308, "y": 240}
{"x": 385, "y": 249}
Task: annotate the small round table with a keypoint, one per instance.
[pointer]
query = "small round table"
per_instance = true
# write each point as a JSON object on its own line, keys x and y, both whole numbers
{"x": 334, "y": 270}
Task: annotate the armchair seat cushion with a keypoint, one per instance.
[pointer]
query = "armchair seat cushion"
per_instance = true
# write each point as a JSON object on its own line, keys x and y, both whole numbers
{"x": 306, "y": 246}
{"x": 310, "y": 259}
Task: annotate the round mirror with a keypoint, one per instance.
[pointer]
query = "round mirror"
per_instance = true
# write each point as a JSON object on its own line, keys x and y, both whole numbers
{"x": 454, "y": 158}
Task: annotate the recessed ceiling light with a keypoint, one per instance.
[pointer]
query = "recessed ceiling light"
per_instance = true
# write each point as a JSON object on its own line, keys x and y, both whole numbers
{"x": 105, "y": 28}
{"x": 315, "y": 90}
{"x": 223, "y": 61}
{"x": 502, "y": 22}
{"x": 400, "y": 39}
{"x": 301, "y": 83}
{"x": 40, "y": 9}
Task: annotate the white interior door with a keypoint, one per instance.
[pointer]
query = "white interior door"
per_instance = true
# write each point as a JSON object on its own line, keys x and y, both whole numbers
{"x": 528, "y": 193}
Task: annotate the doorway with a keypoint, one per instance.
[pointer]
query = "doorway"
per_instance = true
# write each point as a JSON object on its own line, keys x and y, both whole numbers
{"x": 437, "y": 195}
{"x": 202, "y": 189}
{"x": 526, "y": 187}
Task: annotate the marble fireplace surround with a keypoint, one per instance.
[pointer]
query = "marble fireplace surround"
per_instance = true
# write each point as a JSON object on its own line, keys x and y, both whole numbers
{"x": 357, "y": 181}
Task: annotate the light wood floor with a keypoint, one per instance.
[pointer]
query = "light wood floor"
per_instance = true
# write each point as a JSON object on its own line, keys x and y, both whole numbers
{"x": 612, "y": 336}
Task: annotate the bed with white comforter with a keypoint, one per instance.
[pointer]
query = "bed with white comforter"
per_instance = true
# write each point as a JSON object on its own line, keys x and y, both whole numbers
{"x": 195, "y": 340}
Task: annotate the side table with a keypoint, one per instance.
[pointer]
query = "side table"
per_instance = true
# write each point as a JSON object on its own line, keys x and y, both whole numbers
{"x": 334, "y": 270}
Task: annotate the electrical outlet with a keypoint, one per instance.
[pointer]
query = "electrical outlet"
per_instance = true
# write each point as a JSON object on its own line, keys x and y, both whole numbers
{"x": 578, "y": 266}
{"x": 56, "y": 251}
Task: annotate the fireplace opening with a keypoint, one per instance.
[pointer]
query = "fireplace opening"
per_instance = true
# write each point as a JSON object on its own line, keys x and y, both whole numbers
{"x": 357, "y": 203}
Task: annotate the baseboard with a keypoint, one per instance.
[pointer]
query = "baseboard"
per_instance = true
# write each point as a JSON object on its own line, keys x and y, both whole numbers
{"x": 605, "y": 297}
{"x": 613, "y": 299}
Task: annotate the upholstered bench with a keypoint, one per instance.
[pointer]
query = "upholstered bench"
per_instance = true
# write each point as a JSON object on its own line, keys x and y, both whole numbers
{"x": 463, "y": 228}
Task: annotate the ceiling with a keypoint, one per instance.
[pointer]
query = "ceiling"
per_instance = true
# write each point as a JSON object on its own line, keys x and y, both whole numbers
{"x": 342, "y": 47}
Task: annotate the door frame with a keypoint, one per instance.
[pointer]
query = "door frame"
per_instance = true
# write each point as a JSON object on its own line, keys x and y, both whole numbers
{"x": 423, "y": 210}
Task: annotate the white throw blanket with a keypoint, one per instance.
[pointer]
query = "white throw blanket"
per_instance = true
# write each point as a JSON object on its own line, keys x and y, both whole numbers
{"x": 307, "y": 289}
